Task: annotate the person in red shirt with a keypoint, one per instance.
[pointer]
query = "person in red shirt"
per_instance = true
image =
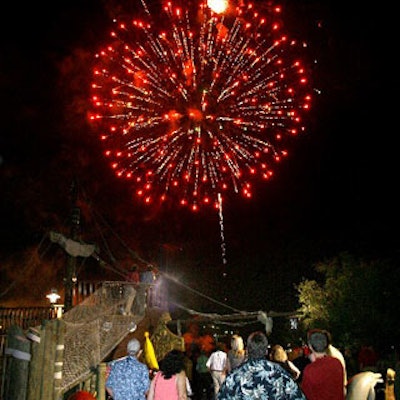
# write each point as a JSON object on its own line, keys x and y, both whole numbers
{"x": 133, "y": 275}
{"x": 323, "y": 378}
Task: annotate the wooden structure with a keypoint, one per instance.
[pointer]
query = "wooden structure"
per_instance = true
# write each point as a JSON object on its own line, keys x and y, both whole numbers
{"x": 52, "y": 360}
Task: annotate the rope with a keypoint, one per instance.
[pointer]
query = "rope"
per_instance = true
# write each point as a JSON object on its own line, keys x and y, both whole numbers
{"x": 224, "y": 319}
{"x": 171, "y": 278}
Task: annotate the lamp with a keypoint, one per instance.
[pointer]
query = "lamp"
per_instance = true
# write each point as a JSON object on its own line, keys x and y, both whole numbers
{"x": 53, "y": 296}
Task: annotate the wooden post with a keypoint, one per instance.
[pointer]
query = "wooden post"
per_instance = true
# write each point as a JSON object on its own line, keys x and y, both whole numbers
{"x": 101, "y": 381}
{"x": 50, "y": 344}
{"x": 36, "y": 335}
{"x": 18, "y": 350}
{"x": 59, "y": 357}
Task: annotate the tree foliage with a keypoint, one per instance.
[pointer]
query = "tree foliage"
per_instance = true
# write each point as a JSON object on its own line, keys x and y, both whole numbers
{"x": 356, "y": 300}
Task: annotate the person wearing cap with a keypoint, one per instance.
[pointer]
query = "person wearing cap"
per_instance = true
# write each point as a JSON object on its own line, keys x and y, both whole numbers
{"x": 323, "y": 378}
{"x": 258, "y": 377}
{"x": 128, "y": 378}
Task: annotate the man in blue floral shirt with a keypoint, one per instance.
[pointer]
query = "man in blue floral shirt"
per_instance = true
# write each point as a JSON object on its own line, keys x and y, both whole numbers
{"x": 129, "y": 378}
{"x": 259, "y": 378}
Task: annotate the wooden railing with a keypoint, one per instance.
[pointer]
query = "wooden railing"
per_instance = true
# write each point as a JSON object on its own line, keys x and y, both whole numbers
{"x": 24, "y": 317}
{"x": 82, "y": 290}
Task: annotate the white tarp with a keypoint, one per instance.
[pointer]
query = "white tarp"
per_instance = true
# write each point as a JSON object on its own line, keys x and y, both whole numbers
{"x": 72, "y": 247}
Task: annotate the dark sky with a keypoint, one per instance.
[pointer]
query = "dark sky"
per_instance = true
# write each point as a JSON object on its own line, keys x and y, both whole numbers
{"x": 336, "y": 192}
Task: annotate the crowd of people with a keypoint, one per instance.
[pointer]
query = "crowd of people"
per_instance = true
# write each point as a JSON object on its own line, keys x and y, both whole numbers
{"x": 317, "y": 371}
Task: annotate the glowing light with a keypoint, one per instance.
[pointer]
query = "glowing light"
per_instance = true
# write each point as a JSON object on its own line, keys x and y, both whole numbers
{"x": 218, "y": 6}
{"x": 191, "y": 105}
{"x": 53, "y": 296}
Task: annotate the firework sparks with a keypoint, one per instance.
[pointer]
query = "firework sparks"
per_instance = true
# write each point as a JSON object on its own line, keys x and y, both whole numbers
{"x": 202, "y": 107}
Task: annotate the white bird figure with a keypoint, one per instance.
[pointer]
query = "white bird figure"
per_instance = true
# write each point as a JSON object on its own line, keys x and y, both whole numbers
{"x": 362, "y": 386}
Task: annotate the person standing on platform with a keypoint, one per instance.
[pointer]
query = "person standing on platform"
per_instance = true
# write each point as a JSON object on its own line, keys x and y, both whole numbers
{"x": 133, "y": 274}
{"x": 132, "y": 277}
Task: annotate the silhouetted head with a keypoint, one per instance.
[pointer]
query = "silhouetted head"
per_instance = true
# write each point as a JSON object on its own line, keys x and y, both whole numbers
{"x": 133, "y": 347}
{"x": 257, "y": 345}
{"x": 172, "y": 363}
{"x": 318, "y": 340}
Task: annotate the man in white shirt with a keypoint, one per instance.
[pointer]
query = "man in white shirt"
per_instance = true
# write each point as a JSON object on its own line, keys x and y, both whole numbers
{"x": 218, "y": 365}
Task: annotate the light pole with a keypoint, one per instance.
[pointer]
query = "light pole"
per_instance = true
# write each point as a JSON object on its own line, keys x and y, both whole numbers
{"x": 70, "y": 272}
{"x": 53, "y": 297}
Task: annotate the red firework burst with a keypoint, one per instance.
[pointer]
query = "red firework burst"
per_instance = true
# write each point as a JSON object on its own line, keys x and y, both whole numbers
{"x": 191, "y": 104}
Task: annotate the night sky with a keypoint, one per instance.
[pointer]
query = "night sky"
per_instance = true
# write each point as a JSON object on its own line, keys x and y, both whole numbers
{"x": 336, "y": 192}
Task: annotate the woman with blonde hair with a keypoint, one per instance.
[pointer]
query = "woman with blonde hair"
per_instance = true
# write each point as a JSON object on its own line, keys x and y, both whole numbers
{"x": 278, "y": 355}
{"x": 237, "y": 353}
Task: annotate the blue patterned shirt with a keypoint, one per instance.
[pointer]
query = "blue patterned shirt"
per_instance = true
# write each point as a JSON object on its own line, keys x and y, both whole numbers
{"x": 129, "y": 379}
{"x": 259, "y": 379}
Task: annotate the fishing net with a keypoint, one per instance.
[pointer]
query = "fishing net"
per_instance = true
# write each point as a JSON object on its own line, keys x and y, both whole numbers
{"x": 97, "y": 325}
